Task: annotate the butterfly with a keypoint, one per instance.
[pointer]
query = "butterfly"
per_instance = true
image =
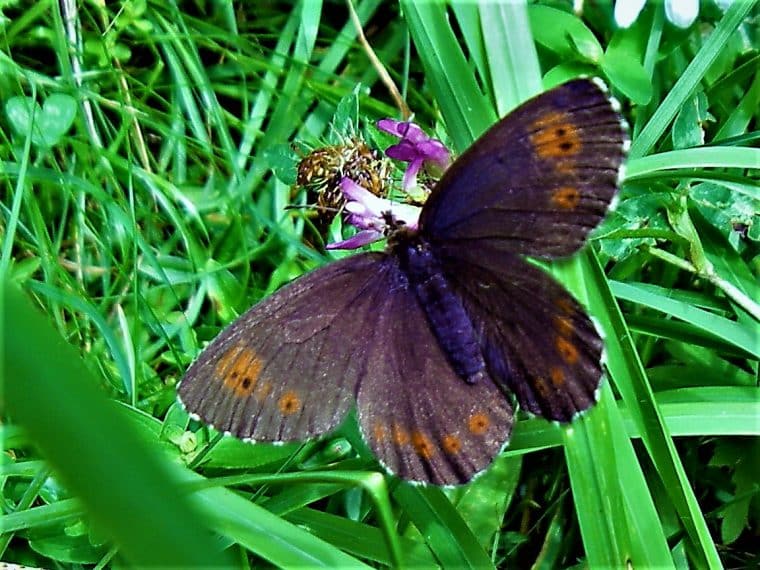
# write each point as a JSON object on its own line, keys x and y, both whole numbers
{"x": 436, "y": 337}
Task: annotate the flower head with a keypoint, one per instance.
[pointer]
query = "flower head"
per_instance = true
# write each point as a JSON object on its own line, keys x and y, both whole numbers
{"x": 373, "y": 216}
{"x": 416, "y": 148}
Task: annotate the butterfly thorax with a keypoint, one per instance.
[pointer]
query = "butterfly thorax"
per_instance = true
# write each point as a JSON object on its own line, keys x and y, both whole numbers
{"x": 443, "y": 307}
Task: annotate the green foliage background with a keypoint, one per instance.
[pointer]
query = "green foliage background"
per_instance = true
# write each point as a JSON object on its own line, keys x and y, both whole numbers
{"x": 145, "y": 173}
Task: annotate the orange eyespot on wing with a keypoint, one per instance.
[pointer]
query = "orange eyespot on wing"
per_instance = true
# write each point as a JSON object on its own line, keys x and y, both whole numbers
{"x": 451, "y": 444}
{"x": 542, "y": 347}
{"x": 422, "y": 445}
{"x": 422, "y": 421}
{"x": 566, "y": 197}
{"x": 478, "y": 423}
{"x": 239, "y": 370}
{"x": 289, "y": 403}
{"x": 538, "y": 181}
{"x": 563, "y": 325}
{"x": 557, "y": 376}
{"x": 400, "y": 435}
{"x": 257, "y": 379}
{"x": 567, "y": 350}
{"x": 555, "y": 135}
{"x": 379, "y": 432}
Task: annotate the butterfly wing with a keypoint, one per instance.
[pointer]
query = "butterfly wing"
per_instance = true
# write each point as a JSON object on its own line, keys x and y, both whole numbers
{"x": 536, "y": 339}
{"x": 288, "y": 368}
{"x": 422, "y": 421}
{"x": 538, "y": 181}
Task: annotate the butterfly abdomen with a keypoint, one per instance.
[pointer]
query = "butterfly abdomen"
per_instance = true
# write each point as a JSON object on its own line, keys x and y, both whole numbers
{"x": 443, "y": 307}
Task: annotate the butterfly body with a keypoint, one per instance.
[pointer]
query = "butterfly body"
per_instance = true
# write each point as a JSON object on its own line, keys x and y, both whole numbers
{"x": 445, "y": 313}
{"x": 434, "y": 338}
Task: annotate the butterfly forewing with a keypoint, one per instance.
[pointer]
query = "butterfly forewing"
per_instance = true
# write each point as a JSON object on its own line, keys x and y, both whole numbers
{"x": 288, "y": 368}
{"x": 536, "y": 183}
{"x": 538, "y": 342}
{"x": 422, "y": 421}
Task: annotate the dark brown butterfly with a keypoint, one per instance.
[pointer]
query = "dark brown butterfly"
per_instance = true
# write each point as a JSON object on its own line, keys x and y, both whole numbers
{"x": 430, "y": 338}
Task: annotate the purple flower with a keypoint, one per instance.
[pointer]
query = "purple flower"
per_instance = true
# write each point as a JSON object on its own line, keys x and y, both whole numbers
{"x": 374, "y": 216}
{"x": 415, "y": 147}
{"x": 371, "y": 215}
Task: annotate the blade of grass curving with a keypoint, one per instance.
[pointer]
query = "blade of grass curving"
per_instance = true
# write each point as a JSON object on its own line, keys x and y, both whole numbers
{"x": 373, "y": 483}
{"x": 605, "y": 473}
{"x": 662, "y": 300}
{"x": 740, "y": 405}
{"x": 280, "y": 542}
{"x": 267, "y": 87}
{"x": 712, "y": 410}
{"x": 515, "y": 75}
{"x": 189, "y": 70}
{"x": 697, "y": 158}
{"x": 468, "y": 18}
{"x": 122, "y": 482}
{"x": 464, "y": 106}
{"x": 36, "y": 517}
{"x": 441, "y": 525}
{"x": 360, "y": 539}
{"x": 688, "y": 83}
{"x": 677, "y": 330}
{"x": 626, "y": 368}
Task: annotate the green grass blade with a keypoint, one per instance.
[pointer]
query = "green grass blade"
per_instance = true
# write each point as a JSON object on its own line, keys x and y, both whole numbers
{"x": 661, "y": 299}
{"x": 688, "y": 83}
{"x": 442, "y": 527}
{"x": 624, "y": 364}
{"x": 127, "y": 488}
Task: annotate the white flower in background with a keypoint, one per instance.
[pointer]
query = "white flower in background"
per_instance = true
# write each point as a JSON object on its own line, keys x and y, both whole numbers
{"x": 626, "y": 11}
{"x": 681, "y": 13}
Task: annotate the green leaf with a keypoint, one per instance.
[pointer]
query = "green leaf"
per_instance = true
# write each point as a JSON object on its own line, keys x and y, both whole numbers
{"x": 46, "y": 124}
{"x": 622, "y": 66}
{"x": 687, "y": 128}
{"x": 564, "y": 34}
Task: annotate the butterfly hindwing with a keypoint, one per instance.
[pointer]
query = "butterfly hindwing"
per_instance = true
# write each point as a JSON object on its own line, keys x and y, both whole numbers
{"x": 421, "y": 420}
{"x": 288, "y": 368}
{"x": 538, "y": 181}
{"x": 537, "y": 340}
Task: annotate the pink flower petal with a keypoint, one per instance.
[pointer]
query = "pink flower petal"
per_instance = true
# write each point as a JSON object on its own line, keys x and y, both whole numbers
{"x": 360, "y": 239}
